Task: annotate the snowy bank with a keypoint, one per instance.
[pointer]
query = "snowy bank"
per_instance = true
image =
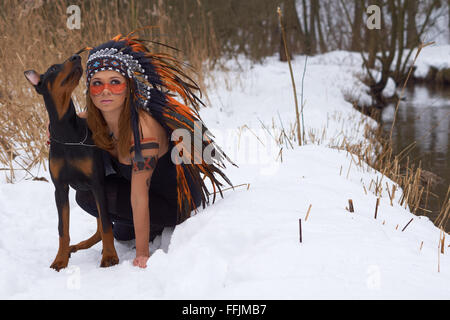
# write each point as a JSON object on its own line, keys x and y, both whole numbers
{"x": 246, "y": 246}
{"x": 432, "y": 60}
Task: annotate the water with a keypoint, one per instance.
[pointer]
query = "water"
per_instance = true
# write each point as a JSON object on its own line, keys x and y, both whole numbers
{"x": 425, "y": 118}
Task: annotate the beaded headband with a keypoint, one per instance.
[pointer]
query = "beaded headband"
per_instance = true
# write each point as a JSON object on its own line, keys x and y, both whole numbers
{"x": 126, "y": 65}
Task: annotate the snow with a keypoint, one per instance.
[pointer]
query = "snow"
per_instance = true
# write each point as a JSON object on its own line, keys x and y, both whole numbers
{"x": 246, "y": 246}
{"x": 433, "y": 56}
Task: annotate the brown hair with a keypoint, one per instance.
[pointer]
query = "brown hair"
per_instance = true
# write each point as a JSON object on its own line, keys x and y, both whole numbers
{"x": 100, "y": 132}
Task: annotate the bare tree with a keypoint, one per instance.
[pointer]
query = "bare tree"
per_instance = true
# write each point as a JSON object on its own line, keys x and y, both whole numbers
{"x": 322, "y": 43}
{"x": 412, "y": 38}
{"x": 389, "y": 45}
{"x": 313, "y": 13}
{"x": 293, "y": 30}
{"x": 357, "y": 25}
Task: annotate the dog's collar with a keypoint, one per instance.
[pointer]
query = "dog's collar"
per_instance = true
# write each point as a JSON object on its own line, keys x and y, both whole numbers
{"x": 81, "y": 143}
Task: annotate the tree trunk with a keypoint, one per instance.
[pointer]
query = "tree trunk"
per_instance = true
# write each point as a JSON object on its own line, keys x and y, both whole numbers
{"x": 372, "y": 48}
{"x": 372, "y": 43}
{"x": 293, "y": 30}
{"x": 322, "y": 44}
{"x": 357, "y": 25}
{"x": 412, "y": 37}
{"x": 388, "y": 54}
{"x": 307, "y": 38}
{"x": 398, "y": 76}
{"x": 313, "y": 13}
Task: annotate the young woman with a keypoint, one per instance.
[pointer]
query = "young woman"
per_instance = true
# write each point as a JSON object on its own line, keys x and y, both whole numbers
{"x": 132, "y": 114}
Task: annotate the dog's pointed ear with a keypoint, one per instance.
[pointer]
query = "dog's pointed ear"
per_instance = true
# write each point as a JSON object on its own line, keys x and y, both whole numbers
{"x": 35, "y": 79}
{"x": 32, "y": 76}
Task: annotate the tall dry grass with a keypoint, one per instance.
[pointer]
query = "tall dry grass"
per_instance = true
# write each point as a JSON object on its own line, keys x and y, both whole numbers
{"x": 35, "y": 35}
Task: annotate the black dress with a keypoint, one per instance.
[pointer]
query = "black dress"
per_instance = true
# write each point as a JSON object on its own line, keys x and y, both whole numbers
{"x": 162, "y": 196}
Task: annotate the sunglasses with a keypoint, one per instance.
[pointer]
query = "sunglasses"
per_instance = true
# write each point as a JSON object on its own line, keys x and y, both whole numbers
{"x": 115, "y": 88}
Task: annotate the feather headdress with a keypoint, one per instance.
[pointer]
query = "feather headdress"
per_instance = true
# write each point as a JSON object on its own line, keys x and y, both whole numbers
{"x": 156, "y": 80}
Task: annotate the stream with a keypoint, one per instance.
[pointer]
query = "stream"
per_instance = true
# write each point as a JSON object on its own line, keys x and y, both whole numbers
{"x": 424, "y": 117}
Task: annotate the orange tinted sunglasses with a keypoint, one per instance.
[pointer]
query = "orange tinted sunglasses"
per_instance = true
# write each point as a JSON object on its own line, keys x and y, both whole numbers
{"x": 117, "y": 88}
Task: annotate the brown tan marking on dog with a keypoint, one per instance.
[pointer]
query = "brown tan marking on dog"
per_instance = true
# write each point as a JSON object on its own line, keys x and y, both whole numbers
{"x": 60, "y": 91}
{"x": 62, "y": 257}
{"x": 84, "y": 165}
{"x": 55, "y": 167}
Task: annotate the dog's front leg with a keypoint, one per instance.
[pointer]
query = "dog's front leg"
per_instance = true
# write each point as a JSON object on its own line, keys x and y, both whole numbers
{"x": 109, "y": 255}
{"x": 62, "y": 204}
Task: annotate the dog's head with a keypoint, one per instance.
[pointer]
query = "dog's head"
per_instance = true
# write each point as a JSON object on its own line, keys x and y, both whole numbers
{"x": 58, "y": 82}
{"x": 62, "y": 77}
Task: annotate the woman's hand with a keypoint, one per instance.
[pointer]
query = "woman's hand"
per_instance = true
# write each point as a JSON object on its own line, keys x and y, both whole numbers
{"x": 140, "y": 261}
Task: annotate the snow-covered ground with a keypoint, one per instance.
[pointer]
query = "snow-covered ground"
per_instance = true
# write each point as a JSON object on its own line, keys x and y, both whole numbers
{"x": 246, "y": 246}
{"x": 434, "y": 56}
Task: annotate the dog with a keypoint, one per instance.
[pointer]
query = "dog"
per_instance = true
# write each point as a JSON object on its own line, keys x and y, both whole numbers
{"x": 74, "y": 160}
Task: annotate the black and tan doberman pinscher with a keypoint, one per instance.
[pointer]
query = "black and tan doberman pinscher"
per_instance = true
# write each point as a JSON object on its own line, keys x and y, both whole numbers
{"x": 74, "y": 159}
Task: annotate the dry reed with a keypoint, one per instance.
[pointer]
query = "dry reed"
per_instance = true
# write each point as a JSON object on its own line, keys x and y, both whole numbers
{"x": 350, "y": 205}
{"x": 307, "y": 213}
{"x": 297, "y": 116}
{"x": 376, "y": 208}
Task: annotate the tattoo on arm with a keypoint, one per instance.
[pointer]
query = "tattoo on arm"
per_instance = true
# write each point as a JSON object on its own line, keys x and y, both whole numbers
{"x": 146, "y": 146}
{"x": 149, "y": 164}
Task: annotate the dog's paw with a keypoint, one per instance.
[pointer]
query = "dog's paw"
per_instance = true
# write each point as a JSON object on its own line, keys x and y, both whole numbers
{"x": 73, "y": 249}
{"x": 59, "y": 264}
{"x": 109, "y": 260}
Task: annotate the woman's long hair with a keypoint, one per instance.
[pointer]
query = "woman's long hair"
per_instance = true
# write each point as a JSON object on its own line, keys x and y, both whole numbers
{"x": 100, "y": 132}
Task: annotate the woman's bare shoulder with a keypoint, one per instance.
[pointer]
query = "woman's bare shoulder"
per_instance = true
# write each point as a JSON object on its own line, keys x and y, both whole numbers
{"x": 146, "y": 118}
{"x": 150, "y": 125}
{"x": 152, "y": 130}
{"x": 82, "y": 114}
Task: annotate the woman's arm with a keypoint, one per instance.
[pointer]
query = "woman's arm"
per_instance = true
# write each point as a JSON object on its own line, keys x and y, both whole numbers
{"x": 140, "y": 184}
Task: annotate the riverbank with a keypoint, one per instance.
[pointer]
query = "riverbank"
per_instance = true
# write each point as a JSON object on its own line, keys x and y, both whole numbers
{"x": 423, "y": 121}
{"x": 433, "y": 66}
{"x": 247, "y": 245}
{"x": 431, "y": 186}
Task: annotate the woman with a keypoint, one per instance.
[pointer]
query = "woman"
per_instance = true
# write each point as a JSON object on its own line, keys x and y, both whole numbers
{"x": 132, "y": 115}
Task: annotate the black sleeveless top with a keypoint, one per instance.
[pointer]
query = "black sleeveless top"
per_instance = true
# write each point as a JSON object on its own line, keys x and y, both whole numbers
{"x": 164, "y": 177}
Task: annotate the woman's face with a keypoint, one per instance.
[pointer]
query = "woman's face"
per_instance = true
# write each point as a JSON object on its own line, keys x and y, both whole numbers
{"x": 108, "y": 90}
